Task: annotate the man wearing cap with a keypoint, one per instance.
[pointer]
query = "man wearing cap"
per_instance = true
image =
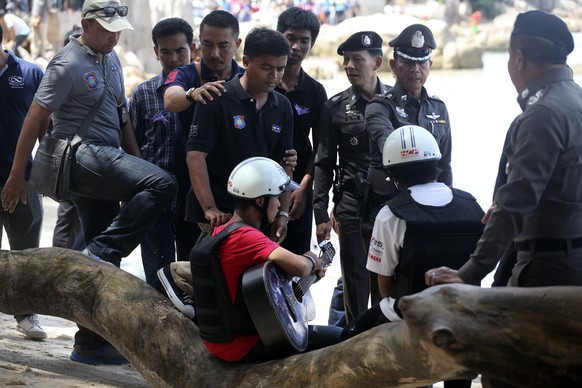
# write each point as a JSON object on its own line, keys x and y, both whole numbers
{"x": 103, "y": 174}
{"x": 540, "y": 207}
{"x": 343, "y": 132}
{"x": 407, "y": 103}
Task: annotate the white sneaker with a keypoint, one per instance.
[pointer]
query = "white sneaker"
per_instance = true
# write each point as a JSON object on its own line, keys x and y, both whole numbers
{"x": 30, "y": 326}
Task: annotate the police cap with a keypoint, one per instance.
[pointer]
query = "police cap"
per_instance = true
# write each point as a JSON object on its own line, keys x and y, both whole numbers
{"x": 363, "y": 40}
{"x": 544, "y": 25}
{"x": 415, "y": 43}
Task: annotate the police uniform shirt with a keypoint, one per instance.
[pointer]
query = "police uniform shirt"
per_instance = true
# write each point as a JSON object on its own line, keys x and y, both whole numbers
{"x": 307, "y": 99}
{"x": 388, "y": 233}
{"x": 19, "y": 80}
{"x": 342, "y": 132}
{"x": 230, "y": 129}
{"x": 396, "y": 108}
{"x": 542, "y": 198}
{"x": 73, "y": 83}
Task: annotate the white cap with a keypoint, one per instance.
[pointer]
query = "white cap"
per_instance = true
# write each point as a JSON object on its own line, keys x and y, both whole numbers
{"x": 93, "y": 9}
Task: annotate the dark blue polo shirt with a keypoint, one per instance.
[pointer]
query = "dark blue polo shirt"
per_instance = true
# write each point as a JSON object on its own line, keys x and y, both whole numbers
{"x": 187, "y": 77}
{"x": 230, "y": 129}
{"x": 19, "y": 81}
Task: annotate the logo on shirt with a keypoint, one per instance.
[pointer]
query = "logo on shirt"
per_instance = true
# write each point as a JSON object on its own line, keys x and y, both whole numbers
{"x": 401, "y": 112}
{"x": 16, "y": 81}
{"x": 193, "y": 130}
{"x": 301, "y": 110}
{"x": 239, "y": 122}
{"x": 91, "y": 80}
{"x": 276, "y": 128}
{"x": 171, "y": 77}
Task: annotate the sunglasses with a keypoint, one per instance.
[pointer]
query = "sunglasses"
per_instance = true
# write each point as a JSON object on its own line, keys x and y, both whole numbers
{"x": 110, "y": 11}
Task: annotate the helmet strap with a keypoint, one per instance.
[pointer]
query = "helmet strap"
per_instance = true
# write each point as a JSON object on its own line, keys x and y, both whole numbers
{"x": 263, "y": 209}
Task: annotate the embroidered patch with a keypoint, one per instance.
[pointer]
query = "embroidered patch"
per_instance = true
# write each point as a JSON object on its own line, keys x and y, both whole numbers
{"x": 276, "y": 128}
{"x": 401, "y": 112}
{"x": 91, "y": 80}
{"x": 171, "y": 77}
{"x": 16, "y": 82}
{"x": 301, "y": 110}
{"x": 193, "y": 130}
{"x": 239, "y": 122}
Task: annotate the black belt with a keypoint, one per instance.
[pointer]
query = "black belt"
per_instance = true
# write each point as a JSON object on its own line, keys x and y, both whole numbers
{"x": 547, "y": 245}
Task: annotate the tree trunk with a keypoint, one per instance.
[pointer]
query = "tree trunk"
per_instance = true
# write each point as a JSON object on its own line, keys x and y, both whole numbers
{"x": 524, "y": 336}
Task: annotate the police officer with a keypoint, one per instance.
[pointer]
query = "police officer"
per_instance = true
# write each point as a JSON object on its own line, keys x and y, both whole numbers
{"x": 343, "y": 132}
{"x": 407, "y": 103}
{"x": 540, "y": 206}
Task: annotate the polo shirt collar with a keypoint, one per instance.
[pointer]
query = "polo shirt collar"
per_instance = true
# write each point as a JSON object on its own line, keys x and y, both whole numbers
{"x": 209, "y": 77}
{"x": 242, "y": 94}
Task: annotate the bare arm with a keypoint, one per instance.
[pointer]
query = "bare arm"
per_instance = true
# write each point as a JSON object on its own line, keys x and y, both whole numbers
{"x": 200, "y": 181}
{"x": 35, "y": 124}
{"x": 175, "y": 96}
{"x": 128, "y": 142}
{"x": 385, "y": 285}
{"x": 175, "y": 99}
{"x": 296, "y": 265}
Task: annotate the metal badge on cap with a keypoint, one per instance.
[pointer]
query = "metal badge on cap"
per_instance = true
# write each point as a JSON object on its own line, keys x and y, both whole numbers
{"x": 417, "y": 39}
{"x": 366, "y": 40}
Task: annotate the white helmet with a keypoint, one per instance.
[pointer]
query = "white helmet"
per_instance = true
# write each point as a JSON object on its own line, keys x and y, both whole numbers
{"x": 257, "y": 177}
{"x": 409, "y": 144}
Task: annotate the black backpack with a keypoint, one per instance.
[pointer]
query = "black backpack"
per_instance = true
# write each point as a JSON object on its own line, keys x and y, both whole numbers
{"x": 219, "y": 320}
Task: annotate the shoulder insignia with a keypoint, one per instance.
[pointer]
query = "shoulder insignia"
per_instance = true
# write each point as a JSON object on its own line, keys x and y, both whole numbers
{"x": 401, "y": 112}
{"x": 536, "y": 97}
{"x": 435, "y": 97}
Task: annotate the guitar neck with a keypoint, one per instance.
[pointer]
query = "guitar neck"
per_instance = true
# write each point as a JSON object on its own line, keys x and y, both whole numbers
{"x": 327, "y": 254}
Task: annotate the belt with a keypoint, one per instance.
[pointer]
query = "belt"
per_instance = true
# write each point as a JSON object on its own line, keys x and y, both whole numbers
{"x": 547, "y": 245}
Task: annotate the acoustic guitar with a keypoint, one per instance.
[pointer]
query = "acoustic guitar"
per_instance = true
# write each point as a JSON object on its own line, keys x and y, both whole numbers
{"x": 277, "y": 304}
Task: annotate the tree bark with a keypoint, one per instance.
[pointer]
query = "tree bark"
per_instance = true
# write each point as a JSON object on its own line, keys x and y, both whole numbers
{"x": 447, "y": 331}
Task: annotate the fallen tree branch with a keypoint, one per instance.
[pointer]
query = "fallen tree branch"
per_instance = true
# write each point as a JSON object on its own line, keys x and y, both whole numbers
{"x": 448, "y": 330}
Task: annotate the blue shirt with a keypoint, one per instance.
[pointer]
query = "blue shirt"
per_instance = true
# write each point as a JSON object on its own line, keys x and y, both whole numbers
{"x": 19, "y": 81}
{"x": 187, "y": 77}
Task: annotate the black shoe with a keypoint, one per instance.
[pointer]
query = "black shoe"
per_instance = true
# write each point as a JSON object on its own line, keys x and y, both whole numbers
{"x": 181, "y": 300}
{"x": 104, "y": 355}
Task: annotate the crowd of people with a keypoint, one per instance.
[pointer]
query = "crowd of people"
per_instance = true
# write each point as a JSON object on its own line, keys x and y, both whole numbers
{"x": 250, "y": 152}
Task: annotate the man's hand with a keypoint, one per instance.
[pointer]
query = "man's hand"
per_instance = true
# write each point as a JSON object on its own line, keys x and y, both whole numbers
{"x": 291, "y": 158}
{"x": 322, "y": 231}
{"x": 14, "y": 190}
{"x": 441, "y": 275}
{"x": 279, "y": 229}
{"x": 298, "y": 203}
{"x": 487, "y": 215}
{"x": 216, "y": 218}
{"x": 335, "y": 224}
{"x": 207, "y": 91}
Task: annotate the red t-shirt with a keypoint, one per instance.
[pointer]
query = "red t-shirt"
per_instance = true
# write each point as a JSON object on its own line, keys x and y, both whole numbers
{"x": 242, "y": 249}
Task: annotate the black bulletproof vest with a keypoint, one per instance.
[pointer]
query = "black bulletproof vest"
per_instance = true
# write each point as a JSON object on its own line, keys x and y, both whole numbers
{"x": 219, "y": 320}
{"x": 435, "y": 236}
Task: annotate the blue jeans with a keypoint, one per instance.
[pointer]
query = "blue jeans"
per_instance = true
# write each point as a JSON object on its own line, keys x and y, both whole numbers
{"x": 102, "y": 177}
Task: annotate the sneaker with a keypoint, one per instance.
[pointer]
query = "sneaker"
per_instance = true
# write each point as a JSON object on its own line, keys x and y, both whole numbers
{"x": 181, "y": 300}
{"x": 104, "y": 355}
{"x": 30, "y": 326}
{"x": 93, "y": 256}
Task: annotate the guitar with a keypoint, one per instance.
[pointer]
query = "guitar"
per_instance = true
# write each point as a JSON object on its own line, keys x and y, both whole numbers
{"x": 277, "y": 304}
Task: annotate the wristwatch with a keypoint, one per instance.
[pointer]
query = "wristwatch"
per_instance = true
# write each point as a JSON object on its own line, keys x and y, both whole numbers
{"x": 281, "y": 213}
{"x": 189, "y": 94}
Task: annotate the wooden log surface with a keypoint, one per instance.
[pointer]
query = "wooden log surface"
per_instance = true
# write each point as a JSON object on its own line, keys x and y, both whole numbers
{"x": 524, "y": 336}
